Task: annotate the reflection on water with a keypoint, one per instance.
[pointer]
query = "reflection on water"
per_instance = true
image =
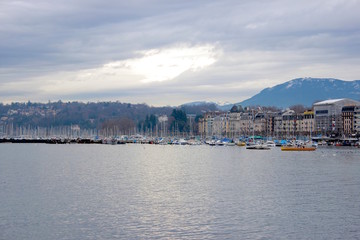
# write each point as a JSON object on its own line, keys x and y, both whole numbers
{"x": 177, "y": 192}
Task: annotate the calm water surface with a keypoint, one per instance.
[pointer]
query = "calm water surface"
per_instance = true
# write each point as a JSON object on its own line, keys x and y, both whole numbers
{"x": 177, "y": 192}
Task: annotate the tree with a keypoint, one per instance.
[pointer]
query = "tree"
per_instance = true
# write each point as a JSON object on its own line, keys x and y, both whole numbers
{"x": 118, "y": 126}
{"x": 234, "y": 109}
{"x": 180, "y": 123}
{"x": 148, "y": 124}
{"x": 197, "y": 119}
{"x": 271, "y": 109}
{"x": 298, "y": 108}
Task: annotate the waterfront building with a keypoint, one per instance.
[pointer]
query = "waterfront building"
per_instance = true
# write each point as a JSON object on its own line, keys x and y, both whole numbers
{"x": 260, "y": 123}
{"x": 219, "y": 125}
{"x": 289, "y": 124}
{"x": 337, "y": 116}
{"x": 278, "y": 125}
{"x": 201, "y": 126}
{"x": 270, "y": 123}
{"x": 328, "y": 115}
{"x": 209, "y": 119}
{"x": 206, "y": 124}
{"x": 245, "y": 123}
{"x": 348, "y": 120}
{"x": 307, "y": 123}
{"x": 234, "y": 126}
{"x": 357, "y": 120}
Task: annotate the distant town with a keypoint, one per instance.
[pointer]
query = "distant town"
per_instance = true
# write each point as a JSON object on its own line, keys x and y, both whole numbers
{"x": 329, "y": 119}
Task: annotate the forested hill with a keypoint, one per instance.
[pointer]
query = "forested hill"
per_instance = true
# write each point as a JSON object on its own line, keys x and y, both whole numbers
{"x": 86, "y": 115}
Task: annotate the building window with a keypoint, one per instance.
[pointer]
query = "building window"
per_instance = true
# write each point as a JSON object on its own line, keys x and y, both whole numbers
{"x": 321, "y": 112}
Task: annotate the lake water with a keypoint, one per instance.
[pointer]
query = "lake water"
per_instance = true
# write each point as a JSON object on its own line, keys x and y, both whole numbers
{"x": 177, "y": 192}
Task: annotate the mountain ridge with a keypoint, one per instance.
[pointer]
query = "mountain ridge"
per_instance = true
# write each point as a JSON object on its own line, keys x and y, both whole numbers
{"x": 305, "y": 91}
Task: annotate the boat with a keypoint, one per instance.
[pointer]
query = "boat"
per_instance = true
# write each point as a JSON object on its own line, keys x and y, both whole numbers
{"x": 280, "y": 143}
{"x": 219, "y": 143}
{"x": 228, "y": 142}
{"x": 298, "y": 148}
{"x": 210, "y": 142}
{"x": 241, "y": 144}
{"x": 270, "y": 144}
{"x": 111, "y": 141}
{"x": 258, "y": 147}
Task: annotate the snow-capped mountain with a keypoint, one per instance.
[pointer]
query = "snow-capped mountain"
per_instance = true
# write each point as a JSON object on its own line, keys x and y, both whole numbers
{"x": 305, "y": 91}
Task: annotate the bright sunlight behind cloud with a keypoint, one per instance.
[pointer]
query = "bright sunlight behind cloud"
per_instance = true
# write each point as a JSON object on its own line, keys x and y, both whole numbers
{"x": 159, "y": 65}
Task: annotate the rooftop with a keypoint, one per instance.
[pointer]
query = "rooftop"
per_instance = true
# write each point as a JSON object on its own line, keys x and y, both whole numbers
{"x": 330, "y": 101}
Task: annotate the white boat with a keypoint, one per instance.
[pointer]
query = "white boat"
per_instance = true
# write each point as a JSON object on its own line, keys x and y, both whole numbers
{"x": 194, "y": 142}
{"x": 258, "y": 147}
{"x": 270, "y": 144}
{"x": 179, "y": 142}
{"x": 183, "y": 142}
{"x": 111, "y": 141}
{"x": 219, "y": 143}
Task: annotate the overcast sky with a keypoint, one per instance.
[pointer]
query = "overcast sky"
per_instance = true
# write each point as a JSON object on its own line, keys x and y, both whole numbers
{"x": 164, "y": 52}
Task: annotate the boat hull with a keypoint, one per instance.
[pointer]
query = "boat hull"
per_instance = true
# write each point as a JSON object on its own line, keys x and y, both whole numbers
{"x": 258, "y": 147}
{"x": 298, "y": 148}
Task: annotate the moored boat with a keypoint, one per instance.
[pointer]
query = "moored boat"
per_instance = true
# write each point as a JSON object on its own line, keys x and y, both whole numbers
{"x": 298, "y": 148}
{"x": 258, "y": 147}
{"x": 270, "y": 144}
{"x": 241, "y": 144}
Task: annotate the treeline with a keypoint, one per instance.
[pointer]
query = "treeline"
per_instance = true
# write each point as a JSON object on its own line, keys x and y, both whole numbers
{"x": 100, "y": 115}
{"x": 86, "y": 115}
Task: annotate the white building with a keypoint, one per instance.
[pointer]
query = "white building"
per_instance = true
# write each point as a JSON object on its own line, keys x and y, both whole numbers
{"x": 328, "y": 114}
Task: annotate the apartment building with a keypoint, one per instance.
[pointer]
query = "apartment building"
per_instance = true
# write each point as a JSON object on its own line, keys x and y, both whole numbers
{"x": 357, "y": 120}
{"x": 328, "y": 115}
{"x": 348, "y": 120}
{"x": 307, "y": 123}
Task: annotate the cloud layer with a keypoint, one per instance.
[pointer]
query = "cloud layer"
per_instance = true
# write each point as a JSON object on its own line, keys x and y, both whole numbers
{"x": 171, "y": 52}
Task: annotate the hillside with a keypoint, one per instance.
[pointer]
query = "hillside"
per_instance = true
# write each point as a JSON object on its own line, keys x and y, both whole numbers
{"x": 305, "y": 91}
{"x": 86, "y": 115}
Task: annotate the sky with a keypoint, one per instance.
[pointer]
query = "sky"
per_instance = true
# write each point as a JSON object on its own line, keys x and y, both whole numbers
{"x": 166, "y": 53}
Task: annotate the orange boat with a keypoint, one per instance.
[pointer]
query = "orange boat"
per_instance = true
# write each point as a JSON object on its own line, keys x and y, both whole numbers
{"x": 298, "y": 148}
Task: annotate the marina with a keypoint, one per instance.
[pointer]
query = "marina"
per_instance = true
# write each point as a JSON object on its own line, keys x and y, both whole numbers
{"x": 249, "y": 144}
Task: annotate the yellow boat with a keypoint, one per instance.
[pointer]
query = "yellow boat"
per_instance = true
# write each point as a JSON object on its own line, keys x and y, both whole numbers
{"x": 241, "y": 144}
{"x": 298, "y": 148}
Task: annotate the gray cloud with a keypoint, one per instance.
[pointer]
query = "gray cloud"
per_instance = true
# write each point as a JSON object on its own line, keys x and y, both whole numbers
{"x": 262, "y": 43}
